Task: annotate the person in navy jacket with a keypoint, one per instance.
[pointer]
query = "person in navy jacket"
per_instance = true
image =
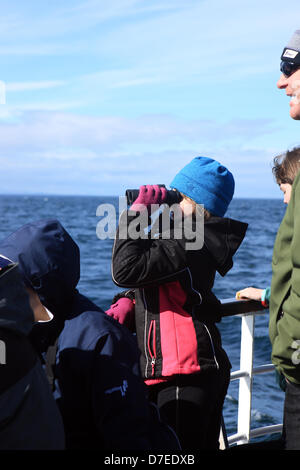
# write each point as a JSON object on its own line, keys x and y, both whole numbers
{"x": 96, "y": 376}
{"x": 29, "y": 418}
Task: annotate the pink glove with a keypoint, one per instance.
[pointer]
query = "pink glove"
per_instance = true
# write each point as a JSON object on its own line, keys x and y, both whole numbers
{"x": 149, "y": 194}
{"x": 123, "y": 312}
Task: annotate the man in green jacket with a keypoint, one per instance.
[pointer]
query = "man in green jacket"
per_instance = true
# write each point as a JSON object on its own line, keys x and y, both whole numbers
{"x": 284, "y": 295}
{"x": 284, "y": 325}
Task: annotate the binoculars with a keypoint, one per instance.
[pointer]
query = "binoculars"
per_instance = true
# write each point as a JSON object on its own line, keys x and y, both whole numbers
{"x": 173, "y": 196}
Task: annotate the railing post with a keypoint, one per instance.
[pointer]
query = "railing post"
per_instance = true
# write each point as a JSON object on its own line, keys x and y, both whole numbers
{"x": 245, "y": 385}
{"x": 246, "y": 310}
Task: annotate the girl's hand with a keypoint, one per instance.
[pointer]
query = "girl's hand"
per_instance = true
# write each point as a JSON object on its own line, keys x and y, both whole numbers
{"x": 249, "y": 293}
{"x": 148, "y": 195}
{"x": 123, "y": 311}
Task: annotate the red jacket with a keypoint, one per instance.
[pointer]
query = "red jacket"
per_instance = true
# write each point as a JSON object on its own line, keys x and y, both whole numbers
{"x": 175, "y": 309}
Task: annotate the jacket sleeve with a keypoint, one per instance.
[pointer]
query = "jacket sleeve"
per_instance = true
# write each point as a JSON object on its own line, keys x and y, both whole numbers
{"x": 143, "y": 261}
{"x": 120, "y": 409}
{"x": 15, "y": 311}
{"x": 268, "y": 295}
{"x": 287, "y": 342}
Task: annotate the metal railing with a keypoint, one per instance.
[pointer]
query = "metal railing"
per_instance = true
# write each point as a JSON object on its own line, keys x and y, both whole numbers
{"x": 247, "y": 310}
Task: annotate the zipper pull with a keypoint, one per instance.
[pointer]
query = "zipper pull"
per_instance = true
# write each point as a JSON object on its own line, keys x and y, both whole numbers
{"x": 153, "y": 364}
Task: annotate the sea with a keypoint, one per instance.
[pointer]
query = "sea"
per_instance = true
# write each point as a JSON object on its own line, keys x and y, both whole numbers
{"x": 252, "y": 267}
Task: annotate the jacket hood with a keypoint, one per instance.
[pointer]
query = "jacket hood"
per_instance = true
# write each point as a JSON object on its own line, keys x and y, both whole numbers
{"x": 48, "y": 259}
{"x": 15, "y": 311}
{"x": 222, "y": 238}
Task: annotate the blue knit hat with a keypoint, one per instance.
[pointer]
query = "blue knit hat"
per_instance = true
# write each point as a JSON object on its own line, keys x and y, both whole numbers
{"x": 206, "y": 182}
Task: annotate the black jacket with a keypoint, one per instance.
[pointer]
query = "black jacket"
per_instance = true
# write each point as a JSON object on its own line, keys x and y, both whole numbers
{"x": 175, "y": 308}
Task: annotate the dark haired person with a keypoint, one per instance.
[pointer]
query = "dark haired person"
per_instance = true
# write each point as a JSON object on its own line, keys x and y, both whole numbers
{"x": 94, "y": 368}
{"x": 285, "y": 169}
{"x": 29, "y": 417}
{"x": 283, "y": 297}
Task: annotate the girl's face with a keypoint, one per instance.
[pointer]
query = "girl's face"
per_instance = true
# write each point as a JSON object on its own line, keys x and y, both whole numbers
{"x": 187, "y": 206}
{"x": 286, "y": 188}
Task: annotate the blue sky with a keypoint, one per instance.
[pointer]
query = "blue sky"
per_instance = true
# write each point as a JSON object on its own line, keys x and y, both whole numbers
{"x": 102, "y": 96}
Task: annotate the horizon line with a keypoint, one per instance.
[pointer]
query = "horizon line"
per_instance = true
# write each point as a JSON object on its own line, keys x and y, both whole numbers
{"x": 109, "y": 195}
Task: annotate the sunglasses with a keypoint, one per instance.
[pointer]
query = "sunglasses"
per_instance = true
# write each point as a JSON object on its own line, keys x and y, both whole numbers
{"x": 287, "y": 68}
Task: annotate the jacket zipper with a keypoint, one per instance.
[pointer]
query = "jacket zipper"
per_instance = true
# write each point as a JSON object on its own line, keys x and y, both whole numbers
{"x": 212, "y": 346}
{"x": 145, "y": 333}
{"x": 152, "y": 345}
{"x": 207, "y": 330}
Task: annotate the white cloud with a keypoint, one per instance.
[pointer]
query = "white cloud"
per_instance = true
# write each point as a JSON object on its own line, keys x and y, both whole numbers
{"x": 166, "y": 36}
{"x": 30, "y": 86}
{"x": 112, "y": 60}
{"x": 44, "y": 130}
{"x": 22, "y": 23}
{"x": 113, "y": 153}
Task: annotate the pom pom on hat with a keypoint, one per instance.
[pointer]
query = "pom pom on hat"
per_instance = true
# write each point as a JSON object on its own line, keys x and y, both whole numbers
{"x": 206, "y": 182}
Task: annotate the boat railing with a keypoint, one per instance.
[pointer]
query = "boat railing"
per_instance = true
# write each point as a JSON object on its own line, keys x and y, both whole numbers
{"x": 247, "y": 310}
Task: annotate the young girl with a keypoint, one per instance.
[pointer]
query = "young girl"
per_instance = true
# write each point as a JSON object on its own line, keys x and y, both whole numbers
{"x": 182, "y": 360}
{"x": 284, "y": 296}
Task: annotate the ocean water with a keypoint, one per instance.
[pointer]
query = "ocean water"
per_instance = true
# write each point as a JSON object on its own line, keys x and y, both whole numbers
{"x": 252, "y": 267}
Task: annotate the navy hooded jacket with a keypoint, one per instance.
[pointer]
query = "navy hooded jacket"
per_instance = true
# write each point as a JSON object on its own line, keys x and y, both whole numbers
{"x": 98, "y": 386}
{"x": 29, "y": 418}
